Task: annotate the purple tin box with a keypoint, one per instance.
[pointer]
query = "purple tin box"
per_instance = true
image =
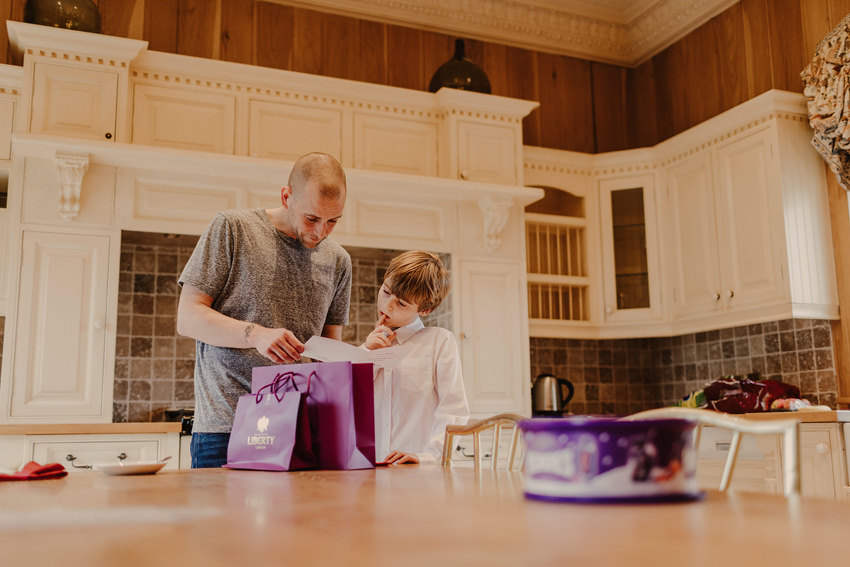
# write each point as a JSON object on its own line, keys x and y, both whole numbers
{"x": 589, "y": 459}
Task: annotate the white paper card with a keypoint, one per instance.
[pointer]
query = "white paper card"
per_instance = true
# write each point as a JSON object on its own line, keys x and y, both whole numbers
{"x": 330, "y": 350}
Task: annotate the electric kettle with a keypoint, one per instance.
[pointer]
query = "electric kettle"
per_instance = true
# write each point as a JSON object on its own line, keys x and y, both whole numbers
{"x": 546, "y": 396}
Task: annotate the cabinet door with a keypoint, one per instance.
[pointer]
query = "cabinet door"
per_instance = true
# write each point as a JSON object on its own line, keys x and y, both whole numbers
{"x": 4, "y": 260}
{"x": 7, "y": 124}
{"x": 487, "y": 153}
{"x": 817, "y": 451}
{"x": 492, "y": 341}
{"x": 187, "y": 119}
{"x": 750, "y": 224}
{"x": 758, "y": 467}
{"x": 629, "y": 249}
{"x": 74, "y": 102}
{"x": 692, "y": 239}
{"x": 392, "y": 144}
{"x": 285, "y": 131}
{"x": 58, "y": 367}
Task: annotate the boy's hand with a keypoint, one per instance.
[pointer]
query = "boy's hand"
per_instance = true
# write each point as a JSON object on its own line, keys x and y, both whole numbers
{"x": 381, "y": 337}
{"x": 401, "y": 458}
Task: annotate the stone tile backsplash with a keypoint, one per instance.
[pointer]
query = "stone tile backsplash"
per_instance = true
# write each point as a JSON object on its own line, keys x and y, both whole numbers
{"x": 628, "y": 375}
{"x": 154, "y": 367}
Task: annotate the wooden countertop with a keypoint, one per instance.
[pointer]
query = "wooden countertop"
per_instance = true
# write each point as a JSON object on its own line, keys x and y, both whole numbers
{"x": 89, "y": 428}
{"x": 814, "y": 416}
{"x": 402, "y": 515}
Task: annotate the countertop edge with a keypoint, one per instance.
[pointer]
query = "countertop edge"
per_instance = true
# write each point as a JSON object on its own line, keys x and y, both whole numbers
{"x": 89, "y": 428}
{"x": 832, "y": 416}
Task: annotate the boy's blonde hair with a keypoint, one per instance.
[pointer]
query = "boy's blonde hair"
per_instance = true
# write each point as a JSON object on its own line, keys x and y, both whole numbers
{"x": 418, "y": 277}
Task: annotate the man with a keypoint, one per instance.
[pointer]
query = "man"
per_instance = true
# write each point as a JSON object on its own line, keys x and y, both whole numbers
{"x": 259, "y": 283}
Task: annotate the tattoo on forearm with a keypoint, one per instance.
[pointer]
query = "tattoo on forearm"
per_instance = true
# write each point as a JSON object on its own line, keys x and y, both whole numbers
{"x": 249, "y": 328}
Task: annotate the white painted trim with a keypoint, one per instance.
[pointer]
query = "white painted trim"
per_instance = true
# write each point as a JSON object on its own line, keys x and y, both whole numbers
{"x": 627, "y": 38}
{"x": 57, "y": 42}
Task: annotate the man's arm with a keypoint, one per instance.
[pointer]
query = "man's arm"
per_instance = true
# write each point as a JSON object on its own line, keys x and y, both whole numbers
{"x": 332, "y": 332}
{"x": 197, "y": 319}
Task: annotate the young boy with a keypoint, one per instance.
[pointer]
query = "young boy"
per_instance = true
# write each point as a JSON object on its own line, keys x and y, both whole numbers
{"x": 415, "y": 400}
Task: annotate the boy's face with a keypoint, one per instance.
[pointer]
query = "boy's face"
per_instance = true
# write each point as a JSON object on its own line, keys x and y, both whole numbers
{"x": 399, "y": 312}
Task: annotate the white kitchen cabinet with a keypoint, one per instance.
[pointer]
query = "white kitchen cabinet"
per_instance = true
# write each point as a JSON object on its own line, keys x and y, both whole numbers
{"x": 4, "y": 261}
{"x": 741, "y": 230}
{"x": 187, "y": 119}
{"x": 7, "y": 122}
{"x": 74, "y": 102}
{"x": 492, "y": 311}
{"x": 630, "y": 264}
{"x": 726, "y": 213}
{"x": 486, "y": 153}
{"x": 760, "y": 458}
{"x": 759, "y": 464}
{"x": 820, "y": 461}
{"x": 395, "y": 144}
{"x": 77, "y": 451}
{"x": 61, "y": 357}
{"x": 282, "y": 131}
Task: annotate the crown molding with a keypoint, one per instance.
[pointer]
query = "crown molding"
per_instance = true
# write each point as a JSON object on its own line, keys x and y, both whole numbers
{"x": 541, "y": 26}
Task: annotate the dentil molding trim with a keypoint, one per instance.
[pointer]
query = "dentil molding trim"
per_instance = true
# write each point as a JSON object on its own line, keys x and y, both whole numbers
{"x": 544, "y": 28}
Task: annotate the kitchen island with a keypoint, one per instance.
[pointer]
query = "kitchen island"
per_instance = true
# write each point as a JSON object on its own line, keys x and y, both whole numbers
{"x": 402, "y": 515}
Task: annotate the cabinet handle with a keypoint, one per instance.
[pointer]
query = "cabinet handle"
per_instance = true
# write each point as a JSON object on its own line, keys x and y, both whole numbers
{"x": 71, "y": 458}
{"x": 108, "y": 135}
{"x": 822, "y": 448}
{"x": 122, "y": 456}
{"x": 464, "y": 175}
{"x": 716, "y": 296}
{"x": 465, "y": 336}
{"x": 730, "y": 293}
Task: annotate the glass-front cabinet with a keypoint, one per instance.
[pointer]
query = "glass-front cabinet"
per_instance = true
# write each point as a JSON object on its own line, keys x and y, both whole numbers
{"x": 630, "y": 263}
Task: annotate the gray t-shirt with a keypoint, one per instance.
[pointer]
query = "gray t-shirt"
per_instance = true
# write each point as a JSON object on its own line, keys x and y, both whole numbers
{"x": 255, "y": 273}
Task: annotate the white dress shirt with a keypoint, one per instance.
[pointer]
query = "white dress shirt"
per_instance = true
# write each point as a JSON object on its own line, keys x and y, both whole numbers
{"x": 422, "y": 395}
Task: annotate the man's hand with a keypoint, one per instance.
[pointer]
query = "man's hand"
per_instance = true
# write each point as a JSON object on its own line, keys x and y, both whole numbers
{"x": 381, "y": 337}
{"x": 278, "y": 345}
{"x": 401, "y": 458}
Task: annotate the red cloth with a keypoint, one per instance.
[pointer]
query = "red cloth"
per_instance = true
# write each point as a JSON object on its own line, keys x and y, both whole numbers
{"x": 35, "y": 471}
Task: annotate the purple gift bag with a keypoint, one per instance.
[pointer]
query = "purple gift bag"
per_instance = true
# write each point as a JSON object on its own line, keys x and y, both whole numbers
{"x": 341, "y": 410}
{"x": 271, "y": 429}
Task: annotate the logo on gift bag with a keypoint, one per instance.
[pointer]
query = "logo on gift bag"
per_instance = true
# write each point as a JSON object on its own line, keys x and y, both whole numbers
{"x": 262, "y": 424}
{"x": 260, "y": 439}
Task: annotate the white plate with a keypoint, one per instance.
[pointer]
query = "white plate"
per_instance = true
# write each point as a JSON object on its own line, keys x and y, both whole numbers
{"x": 130, "y": 468}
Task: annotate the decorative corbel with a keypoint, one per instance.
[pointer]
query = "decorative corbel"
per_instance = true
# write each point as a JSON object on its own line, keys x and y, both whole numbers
{"x": 496, "y": 213}
{"x": 71, "y": 168}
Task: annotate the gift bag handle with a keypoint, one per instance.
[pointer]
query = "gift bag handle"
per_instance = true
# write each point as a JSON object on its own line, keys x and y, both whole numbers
{"x": 280, "y": 381}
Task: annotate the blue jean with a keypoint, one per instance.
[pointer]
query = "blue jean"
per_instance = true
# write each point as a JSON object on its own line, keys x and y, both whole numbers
{"x": 209, "y": 450}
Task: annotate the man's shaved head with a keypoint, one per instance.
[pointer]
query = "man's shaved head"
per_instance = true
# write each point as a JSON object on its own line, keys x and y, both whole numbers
{"x": 321, "y": 170}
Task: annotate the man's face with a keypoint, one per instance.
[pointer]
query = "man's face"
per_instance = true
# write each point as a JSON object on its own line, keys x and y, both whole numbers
{"x": 398, "y": 312}
{"x": 311, "y": 217}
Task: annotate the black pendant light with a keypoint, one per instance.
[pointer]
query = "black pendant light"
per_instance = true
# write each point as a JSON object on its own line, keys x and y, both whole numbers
{"x": 460, "y": 73}
{"x": 81, "y": 15}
